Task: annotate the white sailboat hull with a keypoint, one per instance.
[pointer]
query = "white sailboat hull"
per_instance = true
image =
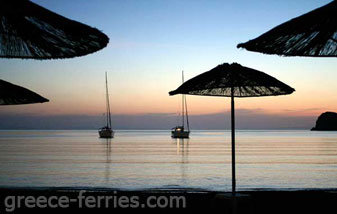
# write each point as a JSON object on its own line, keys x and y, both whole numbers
{"x": 106, "y": 133}
{"x": 184, "y": 134}
{"x": 179, "y": 132}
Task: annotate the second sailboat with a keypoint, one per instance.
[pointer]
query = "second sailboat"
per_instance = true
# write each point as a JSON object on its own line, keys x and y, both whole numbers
{"x": 179, "y": 131}
{"x": 106, "y": 131}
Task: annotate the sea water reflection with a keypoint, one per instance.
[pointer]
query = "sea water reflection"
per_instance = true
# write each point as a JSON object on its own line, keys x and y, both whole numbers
{"x": 151, "y": 159}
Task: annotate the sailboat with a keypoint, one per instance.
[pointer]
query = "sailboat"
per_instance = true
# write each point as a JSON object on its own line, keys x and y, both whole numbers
{"x": 106, "y": 131}
{"x": 179, "y": 131}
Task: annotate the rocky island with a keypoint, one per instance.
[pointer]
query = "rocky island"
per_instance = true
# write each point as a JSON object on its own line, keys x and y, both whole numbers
{"x": 326, "y": 122}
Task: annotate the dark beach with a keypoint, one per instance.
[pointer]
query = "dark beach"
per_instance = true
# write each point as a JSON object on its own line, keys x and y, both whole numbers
{"x": 250, "y": 201}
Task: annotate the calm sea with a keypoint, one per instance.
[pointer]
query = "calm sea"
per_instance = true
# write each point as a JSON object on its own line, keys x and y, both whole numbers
{"x": 151, "y": 159}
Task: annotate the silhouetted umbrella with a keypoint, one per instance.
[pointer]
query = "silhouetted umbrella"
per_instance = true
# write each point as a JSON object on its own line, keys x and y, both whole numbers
{"x": 233, "y": 80}
{"x": 11, "y": 94}
{"x": 312, "y": 34}
{"x": 28, "y": 30}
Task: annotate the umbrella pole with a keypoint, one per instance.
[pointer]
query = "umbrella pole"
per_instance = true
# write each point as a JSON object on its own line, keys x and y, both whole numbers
{"x": 233, "y": 140}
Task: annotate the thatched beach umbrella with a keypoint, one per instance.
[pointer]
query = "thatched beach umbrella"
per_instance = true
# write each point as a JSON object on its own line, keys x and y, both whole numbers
{"x": 312, "y": 34}
{"x": 233, "y": 80}
{"x": 28, "y": 30}
{"x": 11, "y": 94}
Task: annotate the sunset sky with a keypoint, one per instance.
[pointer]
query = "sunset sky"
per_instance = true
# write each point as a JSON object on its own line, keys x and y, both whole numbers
{"x": 152, "y": 41}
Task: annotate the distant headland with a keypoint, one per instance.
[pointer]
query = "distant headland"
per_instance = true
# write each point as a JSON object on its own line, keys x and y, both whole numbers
{"x": 326, "y": 122}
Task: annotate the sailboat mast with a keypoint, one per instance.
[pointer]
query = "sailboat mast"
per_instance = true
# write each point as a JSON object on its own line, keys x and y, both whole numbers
{"x": 182, "y": 101}
{"x": 188, "y": 124}
{"x": 107, "y": 102}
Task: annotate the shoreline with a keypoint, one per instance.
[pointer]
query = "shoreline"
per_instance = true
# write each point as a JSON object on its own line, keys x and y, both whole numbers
{"x": 161, "y": 189}
{"x": 248, "y": 201}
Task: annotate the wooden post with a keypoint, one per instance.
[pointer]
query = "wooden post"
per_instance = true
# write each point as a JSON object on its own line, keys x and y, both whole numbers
{"x": 233, "y": 140}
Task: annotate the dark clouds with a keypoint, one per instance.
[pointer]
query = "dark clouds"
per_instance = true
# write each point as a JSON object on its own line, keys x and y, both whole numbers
{"x": 245, "y": 119}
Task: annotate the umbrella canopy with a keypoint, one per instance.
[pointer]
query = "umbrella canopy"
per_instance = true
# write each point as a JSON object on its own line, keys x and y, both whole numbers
{"x": 312, "y": 34}
{"x": 28, "y": 30}
{"x": 11, "y": 94}
{"x": 226, "y": 79}
{"x": 233, "y": 80}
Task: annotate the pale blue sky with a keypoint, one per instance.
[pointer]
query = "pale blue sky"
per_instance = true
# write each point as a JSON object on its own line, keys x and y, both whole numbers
{"x": 151, "y": 41}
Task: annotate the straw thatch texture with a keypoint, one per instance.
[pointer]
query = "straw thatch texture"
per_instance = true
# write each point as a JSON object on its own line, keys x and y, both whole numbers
{"x": 246, "y": 82}
{"x": 28, "y": 30}
{"x": 11, "y": 94}
{"x": 312, "y": 34}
